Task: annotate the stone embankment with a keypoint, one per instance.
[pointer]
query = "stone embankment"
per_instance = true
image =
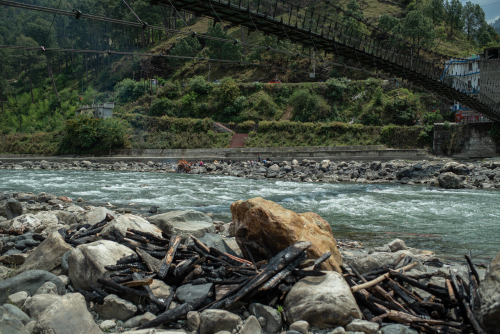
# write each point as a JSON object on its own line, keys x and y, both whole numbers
{"x": 72, "y": 268}
{"x": 452, "y": 175}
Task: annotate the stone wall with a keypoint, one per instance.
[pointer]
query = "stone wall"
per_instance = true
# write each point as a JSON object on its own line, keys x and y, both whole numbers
{"x": 465, "y": 141}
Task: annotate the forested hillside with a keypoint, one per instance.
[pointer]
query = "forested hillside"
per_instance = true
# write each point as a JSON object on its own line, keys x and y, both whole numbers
{"x": 42, "y": 89}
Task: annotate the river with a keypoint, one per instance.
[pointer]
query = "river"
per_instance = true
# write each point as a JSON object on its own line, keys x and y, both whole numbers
{"x": 448, "y": 222}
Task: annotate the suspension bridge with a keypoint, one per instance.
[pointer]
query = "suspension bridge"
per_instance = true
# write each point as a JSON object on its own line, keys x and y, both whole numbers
{"x": 372, "y": 49}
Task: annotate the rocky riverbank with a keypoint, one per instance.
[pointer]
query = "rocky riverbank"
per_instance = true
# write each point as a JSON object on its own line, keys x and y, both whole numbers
{"x": 452, "y": 175}
{"x": 73, "y": 268}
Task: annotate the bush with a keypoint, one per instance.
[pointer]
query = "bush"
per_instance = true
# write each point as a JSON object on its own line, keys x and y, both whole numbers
{"x": 161, "y": 107}
{"x": 433, "y": 117}
{"x": 335, "y": 88}
{"x": 309, "y": 107}
{"x": 264, "y": 106}
{"x": 240, "y": 103}
{"x": 228, "y": 92}
{"x": 170, "y": 90}
{"x": 128, "y": 90}
{"x": 198, "y": 85}
{"x": 246, "y": 126}
{"x": 402, "y": 111}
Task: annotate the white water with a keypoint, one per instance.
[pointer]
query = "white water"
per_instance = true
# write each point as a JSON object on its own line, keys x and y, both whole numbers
{"x": 448, "y": 222}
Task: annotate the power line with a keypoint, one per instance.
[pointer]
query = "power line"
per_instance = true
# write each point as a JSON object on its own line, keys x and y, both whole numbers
{"x": 489, "y": 4}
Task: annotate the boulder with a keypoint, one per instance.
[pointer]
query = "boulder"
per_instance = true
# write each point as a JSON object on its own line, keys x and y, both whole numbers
{"x": 17, "y": 313}
{"x": 364, "y": 326}
{"x": 397, "y": 245}
{"x": 404, "y": 172}
{"x": 274, "y": 228}
{"x": 213, "y": 321}
{"x": 86, "y": 262}
{"x": 274, "y": 322}
{"x": 121, "y": 224}
{"x": 116, "y": 308}
{"x": 251, "y": 325}
{"x": 13, "y": 256}
{"x": 27, "y": 221}
{"x": 449, "y": 181}
{"x": 193, "y": 320}
{"x": 45, "y": 197}
{"x": 13, "y": 209}
{"x": 67, "y": 315}
{"x": 38, "y": 303}
{"x": 366, "y": 263}
{"x": 456, "y": 168}
{"x": 97, "y": 215}
{"x": 10, "y": 324}
{"x": 47, "y": 255}
{"x": 323, "y": 301}
{"x": 28, "y": 281}
{"x": 489, "y": 293}
{"x": 189, "y": 292}
{"x": 300, "y": 326}
{"x": 18, "y": 298}
{"x": 216, "y": 241}
{"x": 66, "y": 217}
{"x": 47, "y": 288}
{"x": 184, "y": 223}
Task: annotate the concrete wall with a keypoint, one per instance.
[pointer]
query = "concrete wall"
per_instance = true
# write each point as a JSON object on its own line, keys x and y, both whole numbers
{"x": 335, "y": 153}
{"x": 465, "y": 141}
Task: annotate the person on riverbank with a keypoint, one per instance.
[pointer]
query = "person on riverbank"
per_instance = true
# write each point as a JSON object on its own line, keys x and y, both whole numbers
{"x": 258, "y": 157}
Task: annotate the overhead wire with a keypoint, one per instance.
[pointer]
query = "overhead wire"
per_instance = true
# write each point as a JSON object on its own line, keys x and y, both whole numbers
{"x": 48, "y": 32}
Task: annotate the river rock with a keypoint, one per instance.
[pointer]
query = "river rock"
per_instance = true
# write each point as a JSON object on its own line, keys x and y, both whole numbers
{"x": 489, "y": 293}
{"x": 47, "y": 288}
{"x": 397, "y": 245}
{"x": 13, "y": 256}
{"x": 300, "y": 326}
{"x": 10, "y": 324}
{"x": 66, "y": 217}
{"x": 97, "y": 215}
{"x": 160, "y": 289}
{"x": 366, "y": 263}
{"x": 358, "y": 325}
{"x": 449, "y": 181}
{"x": 456, "y": 168}
{"x": 398, "y": 329}
{"x": 67, "y": 315}
{"x": 251, "y": 325}
{"x": 122, "y": 223}
{"x": 133, "y": 322}
{"x": 189, "y": 292}
{"x": 273, "y": 227}
{"x": 13, "y": 209}
{"x": 106, "y": 325}
{"x": 18, "y": 298}
{"x": 16, "y": 312}
{"x": 45, "y": 197}
{"x": 184, "y": 223}
{"x": 86, "y": 262}
{"x": 193, "y": 320}
{"x": 28, "y": 281}
{"x": 116, "y": 308}
{"x": 47, "y": 255}
{"x": 213, "y": 321}
{"x": 274, "y": 322}
{"x": 38, "y": 303}
{"x": 323, "y": 301}
{"x": 27, "y": 221}
{"x": 216, "y": 241}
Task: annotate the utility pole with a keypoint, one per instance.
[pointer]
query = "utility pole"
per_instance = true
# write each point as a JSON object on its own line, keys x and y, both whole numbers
{"x": 208, "y": 71}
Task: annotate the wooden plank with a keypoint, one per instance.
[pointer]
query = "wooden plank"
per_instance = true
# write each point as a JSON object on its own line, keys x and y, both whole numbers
{"x": 169, "y": 257}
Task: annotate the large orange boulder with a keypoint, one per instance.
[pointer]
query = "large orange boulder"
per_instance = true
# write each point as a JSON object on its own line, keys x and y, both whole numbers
{"x": 266, "y": 228}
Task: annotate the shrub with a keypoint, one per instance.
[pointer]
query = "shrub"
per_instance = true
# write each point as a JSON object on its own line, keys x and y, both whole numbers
{"x": 198, "y": 85}
{"x": 246, "y": 126}
{"x": 170, "y": 90}
{"x": 402, "y": 111}
{"x": 161, "y": 107}
{"x": 228, "y": 92}
{"x": 264, "y": 106}
{"x": 240, "y": 103}
{"x": 433, "y": 117}
{"x": 335, "y": 88}
{"x": 128, "y": 90}
{"x": 309, "y": 107}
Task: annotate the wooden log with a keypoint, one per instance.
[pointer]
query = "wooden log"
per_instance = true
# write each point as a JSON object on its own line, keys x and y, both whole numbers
{"x": 408, "y": 292}
{"x": 135, "y": 237}
{"x": 122, "y": 288}
{"x": 182, "y": 268}
{"x": 275, "y": 265}
{"x": 174, "y": 314}
{"x": 321, "y": 259}
{"x": 229, "y": 259}
{"x": 150, "y": 236}
{"x": 152, "y": 298}
{"x": 274, "y": 281}
{"x": 152, "y": 263}
{"x": 139, "y": 282}
{"x": 169, "y": 257}
{"x": 468, "y": 257}
{"x": 435, "y": 307}
{"x": 101, "y": 292}
{"x": 200, "y": 244}
{"x": 464, "y": 307}
{"x": 407, "y": 299}
{"x": 408, "y": 318}
{"x": 450, "y": 292}
{"x": 419, "y": 285}
{"x": 474, "y": 297}
{"x": 379, "y": 279}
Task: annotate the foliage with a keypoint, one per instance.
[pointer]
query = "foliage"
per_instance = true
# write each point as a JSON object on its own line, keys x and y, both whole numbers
{"x": 129, "y": 90}
{"x": 187, "y": 47}
{"x": 220, "y": 49}
{"x": 336, "y": 88}
{"x": 309, "y": 107}
{"x": 198, "y": 85}
{"x": 418, "y": 28}
{"x": 432, "y": 117}
{"x": 228, "y": 92}
{"x": 161, "y": 107}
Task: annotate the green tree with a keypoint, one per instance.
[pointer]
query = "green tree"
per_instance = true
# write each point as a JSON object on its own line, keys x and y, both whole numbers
{"x": 418, "y": 28}
{"x": 351, "y": 22}
{"x": 435, "y": 11}
{"x": 473, "y": 18}
{"x": 222, "y": 50}
{"x": 454, "y": 17}
{"x": 188, "y": 47}
{"x": 390, "y": 24}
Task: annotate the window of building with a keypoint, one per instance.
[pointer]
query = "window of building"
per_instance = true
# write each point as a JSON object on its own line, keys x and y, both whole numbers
{"x": 470, "y": 66}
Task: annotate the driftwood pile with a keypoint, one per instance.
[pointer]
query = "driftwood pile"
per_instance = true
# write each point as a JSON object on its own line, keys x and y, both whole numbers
{"x": 388, "y": 294}
{"x": 183, "y": 166}
{"x": 166, "y": 259}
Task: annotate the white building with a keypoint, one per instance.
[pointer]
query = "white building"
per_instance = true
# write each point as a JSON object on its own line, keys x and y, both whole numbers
{"x": 104, "y": 110}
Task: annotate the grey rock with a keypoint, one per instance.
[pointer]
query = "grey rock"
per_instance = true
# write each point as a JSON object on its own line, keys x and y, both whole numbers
{"x": 30, "y": 326}
{"x": 362, "y": 326}
{"x": 274, "y": 322}
{"x": 116, "y": 308}
{"x": 10, "y": 324}
{"x": 45, "y": 197}
{"x": 65, "y": 279}
{"x": 366, "y": 263}
{"x": 449, "y": 181}
{"x": 47, "y": 288}
{"x": 47, "y": 255}
{"x": 338, "y": 330}
{"x": 323, "y": 301}
{"x": 193, "y": 320}
{"x": 13, "y": 209}
{"x": 251, "y": 325}
{"x": 216, "y": 241}
{"x": 68, "y": 315}
{"x": 160, "y": 289}
{"x": 18, "y": 298}
{"x": 184, "y": 223}
{"x": 133, "y": 322}
{"x": 300, "y": 326}
{"x": 397, "y": 245}
{"x": 456, "y": 168}
{"x": 28, "y": 281}
{"x": 122, "y": 223}
{"x": 87, "y": 262}
{"x": 189, "y": 292}
{"x": 292, "y": 332}
{"x": 16, "y": 312}
{"x": 213, "y": 321}
{"x": 107, "y": 325}
{"x": 398, "y": 329}
{"x": 405, "y": 172}
{"x": 97, "y": 215}
{"x": 147, "y": 317}
{"x": 489, "y": 292}
{"x": 37, "y": 304}
{"x": 64, "y": 262}
{"x": 262, "y": 321}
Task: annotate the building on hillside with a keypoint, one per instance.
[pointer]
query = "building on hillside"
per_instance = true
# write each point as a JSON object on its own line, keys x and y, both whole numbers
{"x": 104, "y": 110}
{"x": 473, "y": 77}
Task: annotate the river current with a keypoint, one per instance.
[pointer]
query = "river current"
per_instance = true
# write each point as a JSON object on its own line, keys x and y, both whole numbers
{"x": 449, "y": 222}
